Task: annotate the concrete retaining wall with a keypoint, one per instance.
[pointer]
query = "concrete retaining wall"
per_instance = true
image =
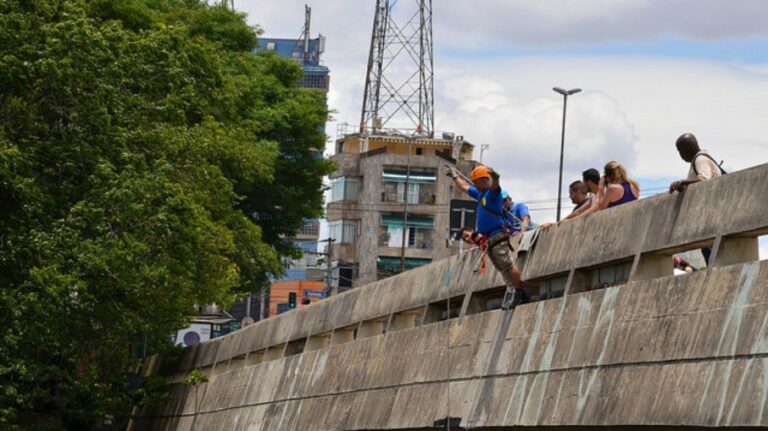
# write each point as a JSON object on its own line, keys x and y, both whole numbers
{"x": 656, "y": 350}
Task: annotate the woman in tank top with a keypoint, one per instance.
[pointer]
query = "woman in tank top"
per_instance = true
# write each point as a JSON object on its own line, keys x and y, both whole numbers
{"x": 615, "y": 188}
{"x": 619, "y": 188}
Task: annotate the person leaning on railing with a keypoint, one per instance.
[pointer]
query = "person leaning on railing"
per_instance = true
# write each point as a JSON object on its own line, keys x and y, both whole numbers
{"x": 703, "y": 168}
{"x": 578, "y": 194}
{"x": 589, "y": 188}
{"x": 615, "y": 188}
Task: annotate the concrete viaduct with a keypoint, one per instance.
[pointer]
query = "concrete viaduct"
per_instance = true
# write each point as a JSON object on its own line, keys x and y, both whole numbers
{"x": 616, "y": 341}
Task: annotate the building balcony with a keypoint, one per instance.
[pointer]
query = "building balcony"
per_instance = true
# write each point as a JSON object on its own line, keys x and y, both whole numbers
{"x": 417, "y": 253}
{"x": 347, "y": 165}
{"x": 309, "y": 231}
{"x": 345, "y": 252}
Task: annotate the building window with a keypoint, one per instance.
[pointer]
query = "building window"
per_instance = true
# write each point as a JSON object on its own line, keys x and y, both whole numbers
{"x": 344, "y": 231}
{"x": 387, "y": 266}
{"x": 315, "y": 81}
{"x": 421, "y": 186}
{"x": 395, "y": 192}
{"x": 345, "y": 189}
{"x": 310, "y": 227}
{"x": 419, "y": 151}
{"x": 418, "y": 235}
{"x": 347, "y": 273}
{"x": 270, "y": 46}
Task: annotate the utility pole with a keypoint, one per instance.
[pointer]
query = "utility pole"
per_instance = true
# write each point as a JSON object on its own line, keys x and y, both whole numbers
{"x": 405, "y": 205}
{"x": 262, "y": 302}
{"x": 328, "y": 255}
{"x": 410, "y": 140}
{"x": 248, "y": 306}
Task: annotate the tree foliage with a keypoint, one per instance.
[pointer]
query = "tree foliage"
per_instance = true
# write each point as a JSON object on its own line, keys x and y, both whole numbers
{"x": 149, "y": 161}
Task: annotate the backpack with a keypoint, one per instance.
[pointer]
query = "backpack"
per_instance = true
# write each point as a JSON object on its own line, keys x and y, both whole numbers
{"x": 719, "y": 165}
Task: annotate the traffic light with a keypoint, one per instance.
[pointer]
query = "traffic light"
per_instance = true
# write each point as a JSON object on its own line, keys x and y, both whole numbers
{"x": 291, "y": 300}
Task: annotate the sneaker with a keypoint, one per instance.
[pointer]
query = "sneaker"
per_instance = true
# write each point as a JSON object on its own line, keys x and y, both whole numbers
{"x": 518, "y": 297}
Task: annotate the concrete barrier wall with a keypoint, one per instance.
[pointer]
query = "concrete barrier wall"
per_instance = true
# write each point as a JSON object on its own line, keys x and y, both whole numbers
{"x": 727, "y": 205}
{"x": 685, "y": 350}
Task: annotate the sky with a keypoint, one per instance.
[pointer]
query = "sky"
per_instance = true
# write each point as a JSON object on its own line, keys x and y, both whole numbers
{"x": 650, "y": 70}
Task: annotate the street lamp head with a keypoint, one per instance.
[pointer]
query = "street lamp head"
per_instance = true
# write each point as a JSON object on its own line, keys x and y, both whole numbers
{"x": 566, "y": 92}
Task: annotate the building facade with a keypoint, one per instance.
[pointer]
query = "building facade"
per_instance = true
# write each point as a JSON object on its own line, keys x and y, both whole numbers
{"x": 385, "y": 203}
{"x": 307, "y": 52}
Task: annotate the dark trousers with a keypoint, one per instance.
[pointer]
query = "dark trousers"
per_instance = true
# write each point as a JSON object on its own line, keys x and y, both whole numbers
{"x": 706, "y": 251}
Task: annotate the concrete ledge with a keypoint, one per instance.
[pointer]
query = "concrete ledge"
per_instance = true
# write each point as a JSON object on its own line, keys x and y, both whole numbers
{"x": 690, "y": 350}
{"x": 654, "y": 351}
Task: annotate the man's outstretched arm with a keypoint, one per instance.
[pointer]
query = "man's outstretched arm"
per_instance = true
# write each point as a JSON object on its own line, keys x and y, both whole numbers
{"x": 460, "y": 182}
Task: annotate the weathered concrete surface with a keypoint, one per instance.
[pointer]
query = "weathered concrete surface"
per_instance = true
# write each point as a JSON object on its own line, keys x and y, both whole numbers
{"x": 681, "y": 351}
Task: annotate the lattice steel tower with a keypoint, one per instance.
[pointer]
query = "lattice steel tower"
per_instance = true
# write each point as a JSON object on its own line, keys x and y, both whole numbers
{"x": 399, "y": 91}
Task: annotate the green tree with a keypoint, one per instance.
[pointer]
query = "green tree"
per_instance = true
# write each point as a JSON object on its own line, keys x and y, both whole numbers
{"x": 149, "y": 161}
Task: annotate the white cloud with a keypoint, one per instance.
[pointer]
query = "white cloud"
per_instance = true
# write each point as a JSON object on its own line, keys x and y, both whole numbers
{"x": 525, "y": 136}
{"x": 632, "y": 108}
{"x": 498, "y": 23}
{"x": 645, "y": 102}
{"x": 758, "y": 69}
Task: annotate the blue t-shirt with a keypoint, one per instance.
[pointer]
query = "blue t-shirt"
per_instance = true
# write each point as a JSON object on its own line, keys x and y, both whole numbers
{"x": 489, "y": 210}
{"x": 515, "y": 216}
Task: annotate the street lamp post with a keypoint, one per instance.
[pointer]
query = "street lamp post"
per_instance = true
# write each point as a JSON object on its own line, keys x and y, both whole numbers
{"x": 565, "y": 94}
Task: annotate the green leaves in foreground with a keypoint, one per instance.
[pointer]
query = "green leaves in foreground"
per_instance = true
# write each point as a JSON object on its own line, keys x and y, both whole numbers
{"x": 148, "y": 162}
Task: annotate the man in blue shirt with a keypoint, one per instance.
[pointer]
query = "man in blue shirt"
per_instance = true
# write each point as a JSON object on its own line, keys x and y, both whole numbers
{"x": 492, "y": 225}
{"x": 517, "y": 215}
